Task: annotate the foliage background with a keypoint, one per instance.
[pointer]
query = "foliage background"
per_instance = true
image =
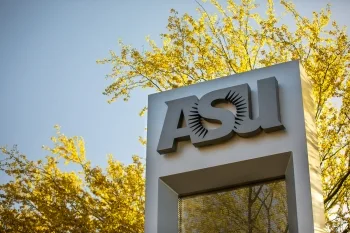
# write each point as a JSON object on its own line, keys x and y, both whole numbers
{"x": 77, "y": 108}
{"x": 48, "y": 73}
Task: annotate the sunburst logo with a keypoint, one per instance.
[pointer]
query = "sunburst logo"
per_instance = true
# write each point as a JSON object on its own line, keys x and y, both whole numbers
{"x": 240, "y": 104}
{"x": 195, "y": 120}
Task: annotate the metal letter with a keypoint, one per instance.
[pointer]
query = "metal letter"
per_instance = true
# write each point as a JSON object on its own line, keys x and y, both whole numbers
{"x": 178, "y": 110}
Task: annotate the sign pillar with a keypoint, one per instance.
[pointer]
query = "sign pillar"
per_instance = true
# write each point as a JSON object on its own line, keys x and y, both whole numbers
{"x": 246, "y": 140}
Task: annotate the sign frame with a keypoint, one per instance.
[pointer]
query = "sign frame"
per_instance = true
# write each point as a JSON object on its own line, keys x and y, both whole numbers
{"x": 290, "y": 154}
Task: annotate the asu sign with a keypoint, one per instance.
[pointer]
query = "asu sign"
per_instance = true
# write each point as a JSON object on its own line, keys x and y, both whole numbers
{"x": 194, "y": 112}
{"x": 206, "y": 114}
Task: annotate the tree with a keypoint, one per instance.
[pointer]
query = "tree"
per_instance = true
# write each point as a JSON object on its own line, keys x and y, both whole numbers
{"x": 236, "y": 39}
{"x": 259, "y": 208}
{"x": 43, "y": 198}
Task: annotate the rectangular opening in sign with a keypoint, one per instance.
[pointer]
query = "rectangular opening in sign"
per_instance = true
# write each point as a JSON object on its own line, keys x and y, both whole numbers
{"x": 256, "y": 208}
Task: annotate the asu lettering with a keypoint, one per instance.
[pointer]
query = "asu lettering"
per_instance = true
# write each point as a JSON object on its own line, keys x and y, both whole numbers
{"x": 194, "y": 111}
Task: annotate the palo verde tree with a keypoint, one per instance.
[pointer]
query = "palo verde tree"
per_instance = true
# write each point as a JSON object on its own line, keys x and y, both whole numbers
{"x": 43, "y": 198}
{"x": 236, "y": 38}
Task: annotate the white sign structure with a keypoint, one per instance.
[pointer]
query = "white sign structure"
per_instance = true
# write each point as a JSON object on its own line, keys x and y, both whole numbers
{"x": 270, "y": 134}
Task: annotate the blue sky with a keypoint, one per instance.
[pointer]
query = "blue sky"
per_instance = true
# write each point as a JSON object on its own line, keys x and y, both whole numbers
{"x": 48, "y": 73}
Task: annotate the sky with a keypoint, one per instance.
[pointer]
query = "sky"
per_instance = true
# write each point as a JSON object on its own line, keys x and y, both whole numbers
{"x": 49, "y": 75}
